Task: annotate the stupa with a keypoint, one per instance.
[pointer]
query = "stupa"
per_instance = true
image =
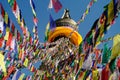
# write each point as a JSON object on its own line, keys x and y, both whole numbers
{"x": 65, "y": 27}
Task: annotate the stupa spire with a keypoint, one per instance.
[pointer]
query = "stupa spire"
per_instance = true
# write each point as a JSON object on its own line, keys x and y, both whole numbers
{"x": 66, "y": 14}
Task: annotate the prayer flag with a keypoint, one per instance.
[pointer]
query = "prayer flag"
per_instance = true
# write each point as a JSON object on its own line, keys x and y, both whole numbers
{"x": 52, "y": 23}
{"x": 15, "y": 6}
{"x": 50, "y": 4}
{"x": 1, "y": 23}
{"x": 57, "y": 5}
{"x": 116, "y": 47}
{"x": 9, "y": 39}
{"x": 7, "y": 34}
{"x": 25, "y": 62}
{"x": 21, "y": 76}
{"x": 106, "y": 54}
{"x": 16, "y": 75}
{"x": 105, "y": 73}
{"x": 47, "y": 31}
{"x": 2, "y": 63}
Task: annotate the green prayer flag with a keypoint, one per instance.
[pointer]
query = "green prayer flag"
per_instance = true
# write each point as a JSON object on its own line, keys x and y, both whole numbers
{"x": 106, "y": 54}
{"x": 112, "y": 65}
{"x": 11, "y": 2}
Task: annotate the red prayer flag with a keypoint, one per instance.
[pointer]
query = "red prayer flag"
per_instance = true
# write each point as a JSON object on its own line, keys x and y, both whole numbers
{"x": 18, "y": 36}
{"x": 35, "y": 20}
{"x": 118, "y": 63}
{"x": 57, "y": 5}
{"x": 2, "y": 10}
{"x": 1, "y": 41}
{"x": 13, "y": 29}
{"x": 105, "y": 73}
{"x": 15, "y": 6}
{"x": 9, "y": 39}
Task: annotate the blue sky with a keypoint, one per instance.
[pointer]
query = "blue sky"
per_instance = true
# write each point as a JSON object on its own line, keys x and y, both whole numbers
{"x": 76, "y": 7}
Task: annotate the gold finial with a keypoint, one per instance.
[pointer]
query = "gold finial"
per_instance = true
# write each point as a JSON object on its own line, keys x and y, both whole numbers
{"x": 66, "y": 14}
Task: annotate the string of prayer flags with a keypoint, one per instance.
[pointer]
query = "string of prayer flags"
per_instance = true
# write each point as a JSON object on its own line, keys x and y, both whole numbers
{"x": 10, "y": 70}
{"x": 99, "y": 28}
{"x": 18, "y": 38}
{"x": 35, "y": 20}
{"x": 19, "y": 17}
{"x": 33, "y": 7}
{"x": 86, "y": 11}
{"x": 108, "y": 19}
{"x": 10, "y": 33}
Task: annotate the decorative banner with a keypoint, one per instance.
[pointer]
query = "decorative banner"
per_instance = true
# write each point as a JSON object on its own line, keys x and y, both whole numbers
{"x": 35, "y": 20}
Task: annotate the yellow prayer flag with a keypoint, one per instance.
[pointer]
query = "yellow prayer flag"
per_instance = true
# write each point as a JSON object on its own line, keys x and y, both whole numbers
{"x": 25, "y": 62}
{"x": 86, "y": 12}
{"x": 111, "y": 76}
{"x": 47, "y": 28}
{"x": 6, "y": 36}
{"x": 34, "y": 12}
{"x": 18, "y": 19}
{"x": 34, "y": 29}
{"x": 7, "y": 29}
{"x": 8, "y": 1}
{"x": 7, "y": 33}
{"x": 88, "y": 78}
{"x": 6, "y": 18}
{"x": 81, "y": 61}
{"x": 110, "y": 12}
{"x": 116, "y": 47}
{"x": 21, "y": 77}
{"x": 95, "y": 74}
{"x": 2, "y": 63}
